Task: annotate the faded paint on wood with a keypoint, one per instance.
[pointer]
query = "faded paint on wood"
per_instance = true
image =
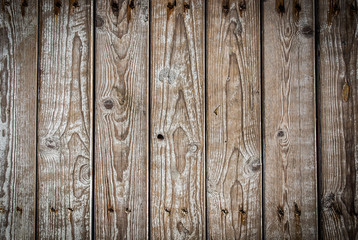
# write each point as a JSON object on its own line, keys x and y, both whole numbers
{"x": 18, "y": 94}
{"x": 233, "y": 120}
{"x": 338, "y": 119}
{"x": 65, "y": 120}
{"x": 121, "y": 119}
{"x": 177, "y": 120}
{"x": 290, "y": 142}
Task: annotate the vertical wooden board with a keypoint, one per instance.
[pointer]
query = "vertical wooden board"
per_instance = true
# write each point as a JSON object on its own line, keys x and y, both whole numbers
{"x": 177, "y": 120}
{"x": 65, "y": 120}
{"x": 234, "y": 119}
{"x": 122, "y": 48}
{"x": 338, "y": 119}
{"x": 290, "y": 142}
{"x": 18, "y": 94}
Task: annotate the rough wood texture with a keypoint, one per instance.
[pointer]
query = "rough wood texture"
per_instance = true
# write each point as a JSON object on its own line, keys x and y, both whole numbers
{"x": 177, "y": 120}
{"x": 290, "y": 143}
{"x": 338, "y": 118}
{"x": 233, "y": 120}
{"x": 18, "y": 67}
{"x": 121, "y": 119}
{"x": 65, "y": 120}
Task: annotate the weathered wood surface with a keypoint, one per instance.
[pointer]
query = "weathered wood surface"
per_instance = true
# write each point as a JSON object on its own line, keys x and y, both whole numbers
{"x": 289, "y": 108}
{"x": 177, "y": 120}
{"x": 122, "y": 51}
{"x": 233, "y": 120}
{"x": 18, "y": 94}
{"x": 338, "y": 118}
{"x": 65, "y": 120}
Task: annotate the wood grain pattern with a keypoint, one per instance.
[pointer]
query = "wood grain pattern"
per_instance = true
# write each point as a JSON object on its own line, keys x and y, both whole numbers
{"x": 121, "y": 119}
{"x": 65, "y": 120}
{"x": 233, "y": 120}
{"x": 18, "y": 94}
{"x": 339, "y": 118}
{"x": 177, "y": 120}
{"x": 290, "y": 143}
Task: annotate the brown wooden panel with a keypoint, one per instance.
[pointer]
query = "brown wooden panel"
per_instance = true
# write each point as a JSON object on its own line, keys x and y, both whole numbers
{"x": 338, "y": 118}
{"x": 177, "y": 120}
{"x": 65, "y": 120}
{"x": 18, "y": 94}
{"x": 233, "y": 120}
{"x": 290, "y": 143}
{"x": 121, "y": 119}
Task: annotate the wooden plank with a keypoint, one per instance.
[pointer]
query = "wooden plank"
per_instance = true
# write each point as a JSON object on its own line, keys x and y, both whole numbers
{"x": 177, "y": 120}
{"x": 289, "y": 138}
{"x": 338, "y": 118}
{"x": 18, "y": 95}
{"x": 65, "y": 120}
{"x": 233, "y": 120}
{"x": 122, "y": 48}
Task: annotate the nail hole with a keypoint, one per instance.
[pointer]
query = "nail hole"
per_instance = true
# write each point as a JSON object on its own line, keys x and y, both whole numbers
{"x": 184, "y": 210}
{"x": 225, "y": 211}
{"x": 160, "y": 137}
{"x": 298, "y": 7}
{"x": 53, "y": 210}
{"x": 110, "y": 209}
{"x": 70, "y": 209}
{"x": 19, "y": 209}
{"x": 167, "y": 210}
{"x": 128, "y": 210}
{"x": 186, "y": 6}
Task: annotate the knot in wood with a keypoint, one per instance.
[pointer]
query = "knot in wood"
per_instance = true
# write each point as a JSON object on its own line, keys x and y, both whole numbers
{"x": 171, "y": 5}
{"x": 52, "y": 143}
{"x": 108, "y": 104}
{"x": 58, "y": 4}
{"x": 280, "y": 134}
{"x": 131, "y": 5}
{"x": 193, "y": 147}
{"x": 242, "y": 6}
{"x": 24, "y": 3}
{"x": 160, "y": 137}
{"x": 280, "y": 212}
{"x": 226, "y": 9}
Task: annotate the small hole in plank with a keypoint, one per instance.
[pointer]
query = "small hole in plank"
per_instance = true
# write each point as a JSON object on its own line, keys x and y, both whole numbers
{"x": 160, "y": 137}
